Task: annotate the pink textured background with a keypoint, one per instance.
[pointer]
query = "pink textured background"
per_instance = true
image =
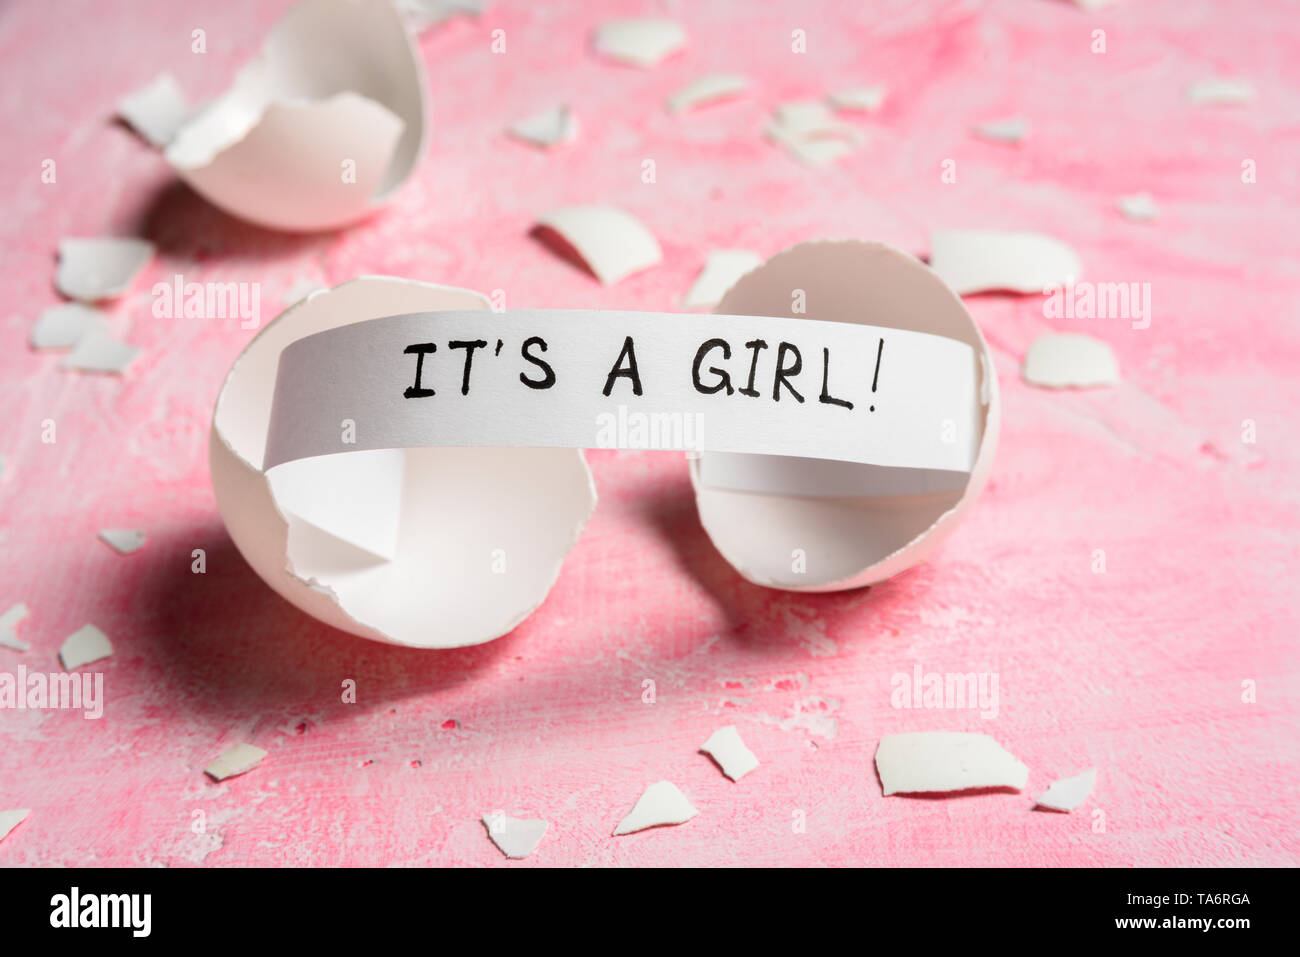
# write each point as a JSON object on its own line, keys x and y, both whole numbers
{"x": 1137, "y": 671}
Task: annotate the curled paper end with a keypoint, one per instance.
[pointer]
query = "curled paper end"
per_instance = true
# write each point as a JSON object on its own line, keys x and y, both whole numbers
{"x": 317, "y": 131}
{"x": 808, "y": 524}
{"x": 429, "y": 547}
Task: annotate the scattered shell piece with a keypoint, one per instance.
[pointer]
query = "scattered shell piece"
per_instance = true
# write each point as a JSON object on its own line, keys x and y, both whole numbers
{"x": 810, "y": 132}
{"x": 516, "y": 837}
{"x": 613, "y": 243}
{"x": 63, "y": 326}
{"x": 124, "y": 541}
{"x": 1220, "y": 91}
{"x": 1068, "y": 793}
{"x": 945, "y": 761}
{"x": 425, "y": 14}
{"x": 725, "y": 747}
{"x": 708, "y": 89}
{"x": 972, "y": 261}
{"x": 1069, "y": 360}
{"x": 9, "y": 622}
{"x": 1094, "y": 4}
{"x": 317, "y": 131}
{"x": 240, "y": 759}
{"x": 640, "y": 42}
{"x": 548, "y": 128}
{"x": 94, "y": 269}
{"x": 11, "y": 819}
{"x": 1011, "y": 130}
{"x": 300, "y": 290}
{"x": 804, "y": 115}
{"x": 865, "y": 99}
{"x": 660, "y": 803}
{"x": 720, "y": 272}
{"x": 1139, "y": 207}
{"x": 156, "y": 110}
{"x": 83, "y": 646}
{"x": 97, "y": 351}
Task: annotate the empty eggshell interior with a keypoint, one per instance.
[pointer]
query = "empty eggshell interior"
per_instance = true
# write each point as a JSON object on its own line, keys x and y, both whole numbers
{"x": 803, "y": 539}
{"x": 326, "y": 123}
{"x": 428, "y": 547}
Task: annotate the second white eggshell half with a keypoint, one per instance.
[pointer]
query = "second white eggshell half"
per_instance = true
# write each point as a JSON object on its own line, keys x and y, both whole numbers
{"x": 846, "y": 542}
{"x": 477, "y": 534}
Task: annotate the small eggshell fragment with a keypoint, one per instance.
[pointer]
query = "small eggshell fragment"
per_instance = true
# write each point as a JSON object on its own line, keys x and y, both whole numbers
{"x": 613, "y": 243}
{"x": 156, "y": 110}
{"x": 1068, "y": 793}
{"x": 863, "y": 99}
{"x": 239, "y": 759}
{"x": 1064, "y": 360}
{"x": 972, "y": 260}
{"x": 720, "y": 272}
{"x": 847, "y": 541}
{"x": 639, "y": 42}
{"x": 85, "y": 645}
{"x": 1011, "y": 130}
{"x": 707, "y": 89}
{"x": 317, "y": 131}
{"x": 548, "y": 128}
{"x": 516, "y": 837}
{"x": 527, "y": 505}
{"x": 725, "y": 747}
{"x": 660, "y": 803}
{"x": 101, "y": 268}
{"x": 923, "y": 761}
{"x": 11, "y": 819}
{"x": 64, "y": 325}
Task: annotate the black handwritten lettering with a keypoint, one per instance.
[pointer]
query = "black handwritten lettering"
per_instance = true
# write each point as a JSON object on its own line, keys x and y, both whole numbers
{"x": 724, "y": 380}
{"x": 419, "y": 350}
{"x": 628, "y": 353}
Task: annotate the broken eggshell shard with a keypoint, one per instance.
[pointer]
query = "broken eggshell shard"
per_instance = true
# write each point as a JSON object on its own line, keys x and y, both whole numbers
{"x": 429, "y": 547}
{"x": 804, "y": 541}
{"x": 320, "y": 129}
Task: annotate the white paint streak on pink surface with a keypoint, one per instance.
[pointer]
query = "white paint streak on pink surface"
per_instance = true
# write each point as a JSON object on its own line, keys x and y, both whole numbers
{"x": 1136, "y": 671}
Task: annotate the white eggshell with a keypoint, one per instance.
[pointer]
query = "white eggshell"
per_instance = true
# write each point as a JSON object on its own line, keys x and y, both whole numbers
{"x": 317, "y": 131}
{"x": 847, "y": 542}
{"x": 482, "y": 531}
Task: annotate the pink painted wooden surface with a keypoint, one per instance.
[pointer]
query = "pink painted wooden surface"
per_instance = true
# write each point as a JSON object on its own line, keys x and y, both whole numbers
{"x": 1137, "y": 671}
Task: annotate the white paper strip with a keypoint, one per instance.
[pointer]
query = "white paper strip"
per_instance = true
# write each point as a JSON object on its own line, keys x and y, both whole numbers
{"x": 760, "y": 385}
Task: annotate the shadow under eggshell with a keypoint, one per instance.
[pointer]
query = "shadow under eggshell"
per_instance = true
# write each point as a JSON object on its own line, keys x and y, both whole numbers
{"x": 846, "y": 542}
{"x": 483, "y": 531}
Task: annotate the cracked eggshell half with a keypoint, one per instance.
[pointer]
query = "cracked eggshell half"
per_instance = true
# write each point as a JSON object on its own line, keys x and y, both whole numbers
{"x": 848, "y": 540}
{"x": 400, "y": 546}
{"x": 320, "y": 129}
